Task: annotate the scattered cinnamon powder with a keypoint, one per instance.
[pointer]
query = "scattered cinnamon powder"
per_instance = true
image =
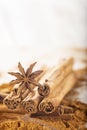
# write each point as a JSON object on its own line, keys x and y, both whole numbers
{"x": 11, "y": 120}
{"x": 14, "y": 121}
{"x": 6, "y": 88}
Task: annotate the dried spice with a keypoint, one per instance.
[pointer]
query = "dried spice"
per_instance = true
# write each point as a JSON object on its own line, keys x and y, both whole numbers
{"x": 59, "y": 84}
{"x": 31, "y": 102}
{"x": 50, "y": 103}
{"x": 26, "y": 81}
{"x": 29, "y": 99}
{"x": 17, "y": 119}
{"x": 26, "y": 78}
{"x": 68, "y": 115}
{"x": 55, "y": 76}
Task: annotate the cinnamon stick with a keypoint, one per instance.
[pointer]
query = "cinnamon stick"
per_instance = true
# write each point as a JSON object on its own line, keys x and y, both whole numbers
{"x": 20, "y": 92}
{"x": 12, "y": 102}
{"x": 55, "y": 76}
{"x": 60, "y": 111}
{"x": 31, "y": 102}
{"x": 44, "y": 68}
{"x": 50, "y": 103}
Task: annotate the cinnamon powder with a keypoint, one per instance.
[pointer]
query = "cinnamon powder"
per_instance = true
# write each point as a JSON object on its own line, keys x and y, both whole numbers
{"x": 13, "y": 121}
{"x": 21, "y": 121}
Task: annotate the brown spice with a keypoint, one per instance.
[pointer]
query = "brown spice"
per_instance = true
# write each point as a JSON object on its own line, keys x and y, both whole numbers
{"x": 15, "y": 119}
{"x": 6, "y": 88}
{"x": 26, "y": 81}
{"x": 55, "y": 76}
{"x": 64, "y": 110}
{"x": 26, "y": 78}
{"x": 31, "y": 102}
{"x": 10, "y": 121}
{"x": 50, "y": 103}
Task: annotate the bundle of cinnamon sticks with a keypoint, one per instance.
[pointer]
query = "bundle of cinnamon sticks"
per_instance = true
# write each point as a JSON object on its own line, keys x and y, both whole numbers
{"x": 42, "y": 93}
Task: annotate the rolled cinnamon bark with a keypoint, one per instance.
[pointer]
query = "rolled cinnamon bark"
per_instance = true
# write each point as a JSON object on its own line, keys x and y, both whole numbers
{"x": 20, "y": 92}
{"x": 12, "y": 102}
{"x": 55, "y": 76}
{"x": 64, "y": 110}
{"x": 44, "y": 68}
{"x": 60, "y": 111}
{"x": 31, "y": 102}
{"x": 50, "y": 103}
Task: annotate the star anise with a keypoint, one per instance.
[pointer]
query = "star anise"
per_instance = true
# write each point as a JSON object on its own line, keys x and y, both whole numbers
{"x": 26, "y": 78}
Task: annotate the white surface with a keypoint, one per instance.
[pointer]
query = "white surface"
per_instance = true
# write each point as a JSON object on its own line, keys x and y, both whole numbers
{"x": 49, "y": 22}
{"x": 37, "y": 29}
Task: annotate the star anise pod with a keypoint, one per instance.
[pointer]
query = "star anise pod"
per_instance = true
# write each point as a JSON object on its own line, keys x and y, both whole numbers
{"x": 26, "y": 78}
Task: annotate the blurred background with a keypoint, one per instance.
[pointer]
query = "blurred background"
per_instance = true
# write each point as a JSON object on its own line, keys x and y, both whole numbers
{"x": 40, "y": 30}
